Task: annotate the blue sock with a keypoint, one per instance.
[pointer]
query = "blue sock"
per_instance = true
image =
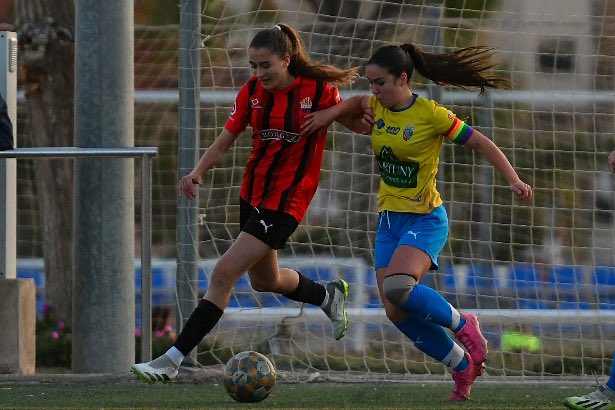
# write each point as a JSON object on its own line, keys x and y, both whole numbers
{"x": 463, "y": 364}
{"x": 434, "y": 341}
{"x": 427, "y": 303}
{"x": 611, "y": 382}
{"x": 462, "y": 322}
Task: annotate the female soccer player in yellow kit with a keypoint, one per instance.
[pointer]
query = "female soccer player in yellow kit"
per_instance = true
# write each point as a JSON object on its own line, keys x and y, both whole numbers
{"x": 407, "y": 136}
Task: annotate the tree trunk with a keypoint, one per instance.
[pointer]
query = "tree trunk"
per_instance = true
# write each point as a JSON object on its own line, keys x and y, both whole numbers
{"x": 45, "y": 31}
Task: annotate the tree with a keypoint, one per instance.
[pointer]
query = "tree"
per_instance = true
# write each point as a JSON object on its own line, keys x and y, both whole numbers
{"x": 45, "y": 32}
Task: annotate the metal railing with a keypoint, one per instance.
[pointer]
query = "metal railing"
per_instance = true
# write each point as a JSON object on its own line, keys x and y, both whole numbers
{"x": 144, "y": 154}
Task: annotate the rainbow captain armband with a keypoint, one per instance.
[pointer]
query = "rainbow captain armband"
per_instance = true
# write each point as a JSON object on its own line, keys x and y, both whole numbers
{"x": 459, "y": 132}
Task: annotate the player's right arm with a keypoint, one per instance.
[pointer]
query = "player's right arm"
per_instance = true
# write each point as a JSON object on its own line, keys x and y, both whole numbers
{"x": 212, "y": 155}
{"x": 236, "y": 123}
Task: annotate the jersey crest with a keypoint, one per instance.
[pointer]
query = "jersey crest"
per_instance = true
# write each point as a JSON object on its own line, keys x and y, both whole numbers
{"x": 306, "y": 104}
{"x": 408, "y": 132}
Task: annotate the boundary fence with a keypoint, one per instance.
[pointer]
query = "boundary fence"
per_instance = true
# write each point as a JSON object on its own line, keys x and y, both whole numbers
{"x": 144, "y": 154}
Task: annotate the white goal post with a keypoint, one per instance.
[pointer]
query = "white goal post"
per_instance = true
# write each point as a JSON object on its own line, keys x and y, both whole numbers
{"x": 8, "y": 194}
{"x": 543, "y": 270}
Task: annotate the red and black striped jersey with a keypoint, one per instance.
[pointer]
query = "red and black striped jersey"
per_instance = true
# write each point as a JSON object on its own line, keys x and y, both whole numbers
{"x": 283, "y": 170}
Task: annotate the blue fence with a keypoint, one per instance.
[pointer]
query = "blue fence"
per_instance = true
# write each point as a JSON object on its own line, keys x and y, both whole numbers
{"x": 535, "y": 286}
{"x": 163, "y": 281}
{"x": 528, "y": 286}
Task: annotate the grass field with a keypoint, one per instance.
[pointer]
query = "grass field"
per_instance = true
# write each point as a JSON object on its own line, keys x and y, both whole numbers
{"x": 417, "y": 395}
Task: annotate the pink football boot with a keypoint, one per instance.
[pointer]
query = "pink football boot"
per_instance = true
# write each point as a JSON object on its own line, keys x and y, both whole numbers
{"x": 472, "y": 339}
{"x": 464, "y": 380}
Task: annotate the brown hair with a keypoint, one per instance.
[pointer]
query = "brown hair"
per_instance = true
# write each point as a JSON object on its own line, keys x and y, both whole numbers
{"x": 283, "y": 40}
{"x": 466, "y": 67}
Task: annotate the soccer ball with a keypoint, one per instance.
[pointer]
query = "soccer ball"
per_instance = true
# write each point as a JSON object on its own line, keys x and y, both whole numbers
{"x": 249, "y": 377}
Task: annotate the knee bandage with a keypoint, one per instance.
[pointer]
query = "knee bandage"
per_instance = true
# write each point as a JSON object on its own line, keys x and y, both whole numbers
{"x": 397, "y": 288}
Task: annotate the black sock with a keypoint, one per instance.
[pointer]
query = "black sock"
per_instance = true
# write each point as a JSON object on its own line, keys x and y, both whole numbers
{"x": 308, "y": 291}
{"x": 200, "y": 322}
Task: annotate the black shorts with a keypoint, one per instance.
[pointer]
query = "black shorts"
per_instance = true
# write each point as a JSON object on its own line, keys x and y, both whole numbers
{"x": 272, "y": 227}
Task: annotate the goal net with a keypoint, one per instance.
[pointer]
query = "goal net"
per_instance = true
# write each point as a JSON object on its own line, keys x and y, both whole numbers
{"x": 540, "y": 275}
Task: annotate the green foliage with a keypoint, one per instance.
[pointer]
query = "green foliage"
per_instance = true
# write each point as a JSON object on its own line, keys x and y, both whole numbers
{"x": 469, "y": 9}
{"x": 53, "y": 341}
{"x": 157, "y": 12}
{"x": 467, "y": 12}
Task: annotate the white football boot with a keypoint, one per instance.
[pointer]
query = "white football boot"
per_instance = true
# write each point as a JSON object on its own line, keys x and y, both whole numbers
{"x": 161, "y": 369}
{"x": 603, "y": 399}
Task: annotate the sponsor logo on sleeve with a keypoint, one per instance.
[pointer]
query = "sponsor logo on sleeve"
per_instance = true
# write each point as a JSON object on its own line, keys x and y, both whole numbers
{"x": 392, "y": 130}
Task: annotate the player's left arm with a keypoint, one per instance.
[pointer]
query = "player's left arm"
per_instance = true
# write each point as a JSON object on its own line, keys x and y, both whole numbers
{"x": 352, "y": 113}
{"x": 361, "y": 119}
{"x": 486, "y": 148}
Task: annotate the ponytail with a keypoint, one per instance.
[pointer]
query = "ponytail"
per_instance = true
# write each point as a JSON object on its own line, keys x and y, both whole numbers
{"x": 467, "y": 67}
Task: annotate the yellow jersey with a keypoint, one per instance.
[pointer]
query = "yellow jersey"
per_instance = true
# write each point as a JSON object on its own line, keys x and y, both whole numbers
{"x": 407, "y": 146}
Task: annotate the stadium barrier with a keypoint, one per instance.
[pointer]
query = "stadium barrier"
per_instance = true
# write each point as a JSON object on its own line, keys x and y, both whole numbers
{"x": 582, "y": 292}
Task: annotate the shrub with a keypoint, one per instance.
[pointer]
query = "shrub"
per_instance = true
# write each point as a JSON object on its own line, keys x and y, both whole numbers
{"x": 53, "y": 341}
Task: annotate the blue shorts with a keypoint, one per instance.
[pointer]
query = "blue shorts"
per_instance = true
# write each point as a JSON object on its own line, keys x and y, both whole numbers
{"x": 427, "y": 232}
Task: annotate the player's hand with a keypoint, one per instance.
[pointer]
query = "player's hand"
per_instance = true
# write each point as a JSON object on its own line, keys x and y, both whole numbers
{"x": 522, "y": 190}
{"x": 368, "y": 120}
{"x": 187, "y": 185}
{"x": 612, "y": 161}
{"x": 314, "y": 121}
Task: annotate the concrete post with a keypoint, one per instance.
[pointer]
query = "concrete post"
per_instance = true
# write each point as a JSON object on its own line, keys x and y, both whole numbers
{"x": 18, "y": 318}
{"x": 103, "y": 289}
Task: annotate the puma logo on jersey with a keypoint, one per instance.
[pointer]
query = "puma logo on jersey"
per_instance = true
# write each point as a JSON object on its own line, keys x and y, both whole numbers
{"x": 265, "y": 225}
{"x": 413, "y": 233}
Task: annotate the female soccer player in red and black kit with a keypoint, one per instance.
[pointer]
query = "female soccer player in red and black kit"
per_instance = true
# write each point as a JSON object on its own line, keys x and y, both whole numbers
{"x": 280, "y": 180}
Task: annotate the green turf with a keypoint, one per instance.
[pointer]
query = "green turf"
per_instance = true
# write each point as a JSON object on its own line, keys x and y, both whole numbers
{"x": 286, "y": 396}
